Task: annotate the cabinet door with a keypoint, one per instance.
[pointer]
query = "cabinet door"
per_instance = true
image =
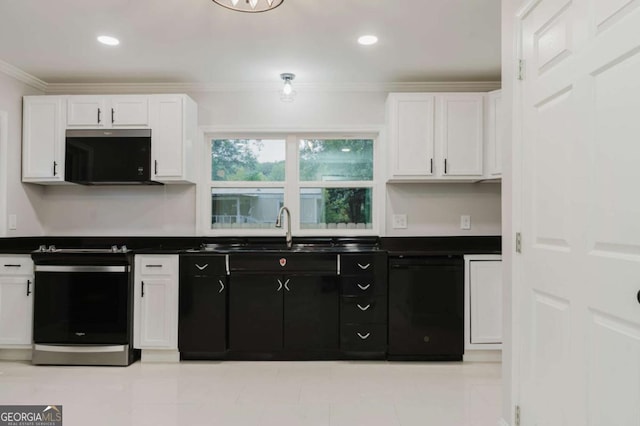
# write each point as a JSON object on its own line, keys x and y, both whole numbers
{"x": 203, "y": 313}
{"x": 255, "y": 313}
{"x": 461, "y": 134}
{"x": 157, "y": 314}
{"x": 129, "y": 111}
{"x": 494, "y": 134}
{"x": 16, "y": 310}
{"x": 412, "y": 132}
{"x": 42, "y": 139}
{"x": 485, "y": 288}
{"x": 87, "y": 111}
{"x": 168, "y": 136}
{"x": 311, "y": 313}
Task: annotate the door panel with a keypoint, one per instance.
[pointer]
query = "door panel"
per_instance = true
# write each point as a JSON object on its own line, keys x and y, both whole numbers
{"x": 578, "y": 319}
{"x": 255, "y": 313}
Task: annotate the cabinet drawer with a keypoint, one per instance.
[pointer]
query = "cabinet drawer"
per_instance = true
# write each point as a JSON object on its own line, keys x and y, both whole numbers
{"x": 358, "y": 264}
{"x": 203, "y": 266}
{"x": 356, "y": 309}
{"x": 157, "y": 265}
{"x": 362, "y": 286}
{"x": 363, "y": 337}
{"x": 16, "y": 265}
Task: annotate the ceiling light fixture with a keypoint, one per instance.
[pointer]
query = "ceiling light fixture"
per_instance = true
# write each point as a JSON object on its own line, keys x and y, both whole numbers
{"x": 108, "y": 40}
{"x": 367, "y": 40}
{"x": 288, "y": 94}
{"x": 251, "y": 6}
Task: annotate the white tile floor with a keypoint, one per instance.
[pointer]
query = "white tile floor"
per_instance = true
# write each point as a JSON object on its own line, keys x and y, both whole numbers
{"x": 262, "y": 393}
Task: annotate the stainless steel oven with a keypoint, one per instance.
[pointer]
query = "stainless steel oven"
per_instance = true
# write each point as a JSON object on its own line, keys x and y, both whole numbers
{"x": 82, "y": 307}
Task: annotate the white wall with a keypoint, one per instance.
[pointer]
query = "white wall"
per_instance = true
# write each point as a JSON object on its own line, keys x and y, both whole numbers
{"x": 25, "y": 201}
{"x": 435, "y": 209}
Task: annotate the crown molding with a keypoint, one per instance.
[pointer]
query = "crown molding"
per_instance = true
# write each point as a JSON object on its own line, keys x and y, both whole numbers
{"x": 107, "y": 88}
{"x": 18, "y": 74}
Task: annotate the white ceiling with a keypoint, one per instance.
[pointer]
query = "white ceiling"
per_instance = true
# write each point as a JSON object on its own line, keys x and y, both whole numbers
{"x": 197, "y": 41}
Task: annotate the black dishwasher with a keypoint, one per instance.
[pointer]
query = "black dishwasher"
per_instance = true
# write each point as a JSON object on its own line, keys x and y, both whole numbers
{"x": 426, "y": 308}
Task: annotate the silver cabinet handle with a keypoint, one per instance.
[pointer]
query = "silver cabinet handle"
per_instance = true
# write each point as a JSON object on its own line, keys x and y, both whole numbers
{"x": 363, "y": 287}
{"x": 364, "y": 336}
{"x": 279, "y": 286}
{"x": 201, "y": 267}
{"x": 364, "y": 266}
{"x": 286, "y": 286}
{"x": 221, "y": 286}
{"x": 364, "y": 308}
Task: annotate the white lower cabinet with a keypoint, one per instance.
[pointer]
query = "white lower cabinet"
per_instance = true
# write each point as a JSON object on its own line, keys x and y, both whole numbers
{"x": 16, "y": 300}
{"x": 483, "y": 303}
{"x": 155, "y": 318}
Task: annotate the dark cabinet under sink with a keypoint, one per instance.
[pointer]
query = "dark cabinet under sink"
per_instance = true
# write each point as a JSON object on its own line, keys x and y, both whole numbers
{"x": 271, "y": 313}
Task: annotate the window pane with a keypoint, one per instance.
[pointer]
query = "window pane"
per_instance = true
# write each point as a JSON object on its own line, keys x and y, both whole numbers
{"x": 336, "y": 160}
{"x": 335, "y": 208}
{"x": 245, "y": 207}
{"x": 247, "y": 160}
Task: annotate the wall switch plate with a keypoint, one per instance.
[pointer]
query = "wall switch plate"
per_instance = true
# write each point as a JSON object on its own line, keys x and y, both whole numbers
{"x": 465, "y": 222}
{"x": 13, "y": 222}
{"x": 399, "y": 221}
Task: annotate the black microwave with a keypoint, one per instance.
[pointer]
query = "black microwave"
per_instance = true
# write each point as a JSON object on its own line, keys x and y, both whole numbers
{"x": 108, "y": 157}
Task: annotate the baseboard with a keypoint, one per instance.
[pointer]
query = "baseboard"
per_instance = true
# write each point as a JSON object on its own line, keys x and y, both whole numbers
{"x": 15, "y": 354}
{"x": 482, "y": 356}
{"x": 502, "y": 422}
{"x": 165, "y": 356}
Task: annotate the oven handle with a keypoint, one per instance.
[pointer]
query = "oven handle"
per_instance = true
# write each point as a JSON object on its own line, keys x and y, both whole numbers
{"x": 80, "y": 268}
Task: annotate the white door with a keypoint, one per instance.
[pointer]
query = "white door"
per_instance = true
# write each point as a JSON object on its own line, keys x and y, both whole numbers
{"x": 16, "y": 310}
{"x": 461, "y": 130}
{"x": 87, "y": 111}
{"x": 129, "y": 111}
{"x": 42, "y": 139}
{"x": 578, "y": 277}
{"x": 485, "y": 287}
{"x": 168, "y": 136}
{"x": 157, "y": 318}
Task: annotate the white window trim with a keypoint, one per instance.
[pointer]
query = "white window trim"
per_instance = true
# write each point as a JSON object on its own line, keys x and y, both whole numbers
{"x": 292, "y": 190}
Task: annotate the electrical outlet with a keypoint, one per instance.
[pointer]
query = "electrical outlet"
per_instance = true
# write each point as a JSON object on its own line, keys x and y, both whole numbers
{"x": 399, "y": 221}
{"x": 465, "y": 222}
{"x": 13, "y": 222}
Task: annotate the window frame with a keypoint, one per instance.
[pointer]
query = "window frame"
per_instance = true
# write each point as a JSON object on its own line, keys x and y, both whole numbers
{"x": 291, "y": 184}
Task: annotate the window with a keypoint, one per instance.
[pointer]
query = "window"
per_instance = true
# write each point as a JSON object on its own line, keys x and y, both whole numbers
{"x": 327, "y": 183}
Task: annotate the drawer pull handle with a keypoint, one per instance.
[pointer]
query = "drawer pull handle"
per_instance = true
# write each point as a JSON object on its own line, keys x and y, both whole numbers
{"x": 221, "y": 286}
{"x": 364, "y": 266}
{"x": 142, "y": 290}
{"x": 364, "y": 336}
{"x": 11, "y": 265}
{"x": 279, "y": 285}
{"x": 286, "y": 285}
{"x": 29, "y": 287}
{"x": 153, "y": 266}
{"x": 363, "y": 287}
{"x": 201, "y": 267}
{"x": 364, "y": 308}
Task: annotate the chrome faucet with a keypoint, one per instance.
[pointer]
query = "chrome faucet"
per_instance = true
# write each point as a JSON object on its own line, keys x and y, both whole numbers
{"x": 279, "y": 225}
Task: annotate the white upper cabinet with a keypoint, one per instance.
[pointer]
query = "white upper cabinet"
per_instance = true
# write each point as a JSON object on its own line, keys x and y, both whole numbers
{"x": 435, "y": 136}
{"x": 495, "y": 124}
{"x": 412, "y": 132}
{"x": 174, "y": 129}
{"x": 128, "y": 111}
{"x": 43, "y": 139}
{"x": 461, "y": 134}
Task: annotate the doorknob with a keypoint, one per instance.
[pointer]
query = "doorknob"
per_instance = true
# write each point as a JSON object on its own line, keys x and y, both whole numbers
{"x": 638, "y": 295}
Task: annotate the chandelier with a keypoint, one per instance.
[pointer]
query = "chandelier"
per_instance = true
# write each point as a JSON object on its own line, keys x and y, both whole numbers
{"x": 251, "y": 6}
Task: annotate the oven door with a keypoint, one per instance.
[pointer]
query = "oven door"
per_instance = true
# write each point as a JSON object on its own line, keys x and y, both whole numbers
{"x": 81, "y": 304}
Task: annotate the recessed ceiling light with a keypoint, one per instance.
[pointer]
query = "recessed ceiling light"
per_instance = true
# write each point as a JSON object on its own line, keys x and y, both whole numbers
{"x": 368, "y": 40}
{"x": 108, "y": 40}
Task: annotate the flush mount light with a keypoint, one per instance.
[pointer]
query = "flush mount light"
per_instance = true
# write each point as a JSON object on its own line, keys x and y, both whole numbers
{"x": 367, "y": 40}
{"x": 108, "y": 40}
{"x": 288, "y": 94}
{"x": 251, "y": 6}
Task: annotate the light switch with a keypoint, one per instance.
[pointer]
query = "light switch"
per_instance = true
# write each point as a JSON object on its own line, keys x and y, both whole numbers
{"x": 399, "y": 221}
{"x": 13, "y": 222}
{"x": 465, "y": 222}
